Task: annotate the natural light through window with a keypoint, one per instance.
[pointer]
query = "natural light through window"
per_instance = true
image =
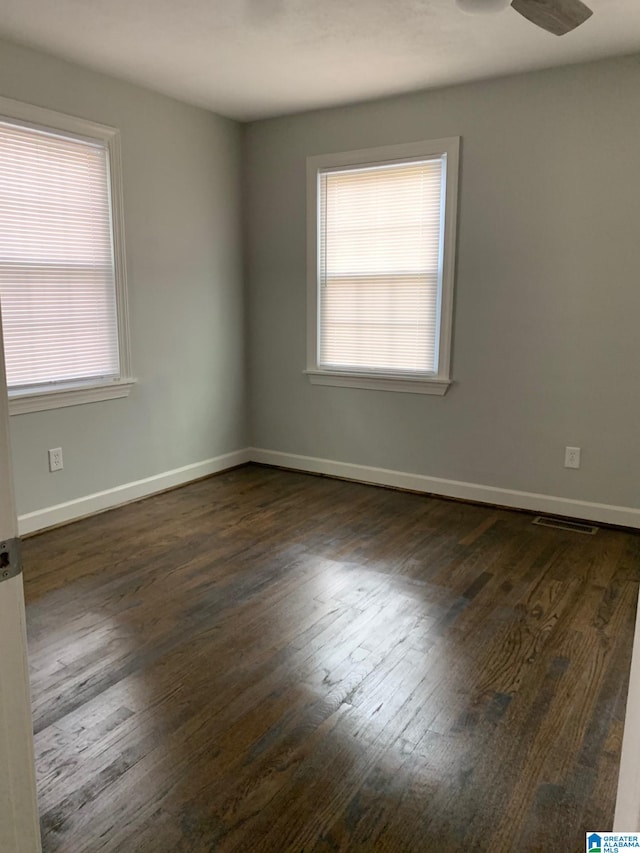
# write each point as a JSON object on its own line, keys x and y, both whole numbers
{"x": 58, "y": 279}
{"x": 380, "y": 261}
{"x": 56, "y": 262}
{"x": 383, "y": 268}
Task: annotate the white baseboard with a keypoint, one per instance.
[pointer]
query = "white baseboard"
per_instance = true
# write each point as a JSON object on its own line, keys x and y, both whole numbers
{"x": 90, "y": 504}
{"x": 604, "y": 513}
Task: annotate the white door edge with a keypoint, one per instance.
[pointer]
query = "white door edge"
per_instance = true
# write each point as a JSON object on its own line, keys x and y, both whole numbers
{"x": 19, "y": 828}
{"x": 627, "y": 817}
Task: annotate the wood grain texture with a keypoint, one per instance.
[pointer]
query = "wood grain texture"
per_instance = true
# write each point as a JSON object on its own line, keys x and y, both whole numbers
{"x": 270, "y": 661}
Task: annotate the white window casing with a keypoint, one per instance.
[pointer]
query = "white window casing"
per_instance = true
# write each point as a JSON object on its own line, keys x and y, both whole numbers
{"x": 62, "y": 260}
{"x": 381, "y": 232}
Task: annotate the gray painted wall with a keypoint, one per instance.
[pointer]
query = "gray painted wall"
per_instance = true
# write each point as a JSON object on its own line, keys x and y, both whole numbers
{"x": 546, "y": 349}
{"x": 546, "y": 344}
{"x": 183, "y": 238}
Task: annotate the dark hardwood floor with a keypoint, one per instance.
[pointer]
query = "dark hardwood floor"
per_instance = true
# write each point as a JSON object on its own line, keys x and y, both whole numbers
{"x": 269, "y": 661}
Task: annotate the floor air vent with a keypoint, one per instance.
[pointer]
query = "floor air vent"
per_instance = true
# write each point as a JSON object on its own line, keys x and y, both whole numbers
{"x": 561, "y": 524}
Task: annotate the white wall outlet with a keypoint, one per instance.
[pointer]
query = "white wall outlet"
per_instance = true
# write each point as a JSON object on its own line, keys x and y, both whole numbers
{"x": 55, "y": 459}
{"x": 572, "y": 457}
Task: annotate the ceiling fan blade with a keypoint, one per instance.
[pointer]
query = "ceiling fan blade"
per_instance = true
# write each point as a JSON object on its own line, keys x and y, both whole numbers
{"x": 556, "y": 16}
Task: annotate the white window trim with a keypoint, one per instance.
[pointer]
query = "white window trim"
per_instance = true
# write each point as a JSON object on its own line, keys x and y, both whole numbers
{"x": 68, "y": 395}
{"x": 73, "y": 394}
{"x": 435, "y": 383}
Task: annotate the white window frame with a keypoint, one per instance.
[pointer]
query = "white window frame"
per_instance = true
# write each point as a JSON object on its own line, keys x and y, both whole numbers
{"x": 76, "y": 393}
{"x": 439, "y": 381}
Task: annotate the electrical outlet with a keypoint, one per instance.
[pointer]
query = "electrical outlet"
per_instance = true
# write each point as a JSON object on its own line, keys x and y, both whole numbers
{"x": 572, "y": 457}
{"x": 55, "y": 459}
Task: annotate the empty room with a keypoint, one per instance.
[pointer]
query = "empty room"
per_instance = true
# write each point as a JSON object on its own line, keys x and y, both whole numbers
{"x": 319, "y": 416}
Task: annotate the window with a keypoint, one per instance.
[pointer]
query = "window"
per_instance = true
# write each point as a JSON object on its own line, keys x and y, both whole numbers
{"x": 381, "y": 255}
{"x": 62, "y": 287}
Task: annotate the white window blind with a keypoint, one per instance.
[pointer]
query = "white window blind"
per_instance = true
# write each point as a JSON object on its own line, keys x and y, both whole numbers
{"x": 57, "y": 280}
{"x": 380, "y": 266}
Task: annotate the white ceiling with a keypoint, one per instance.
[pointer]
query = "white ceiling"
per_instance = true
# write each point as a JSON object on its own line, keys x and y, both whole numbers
{"x": 255, "y": 58}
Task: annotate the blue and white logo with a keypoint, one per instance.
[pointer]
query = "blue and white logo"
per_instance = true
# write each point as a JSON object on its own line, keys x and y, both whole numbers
{"x": 612, "y": 842}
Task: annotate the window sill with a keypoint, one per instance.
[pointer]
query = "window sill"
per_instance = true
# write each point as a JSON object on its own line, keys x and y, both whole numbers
{"x": 377, "y": 382}
{"x": 40, "y": 401}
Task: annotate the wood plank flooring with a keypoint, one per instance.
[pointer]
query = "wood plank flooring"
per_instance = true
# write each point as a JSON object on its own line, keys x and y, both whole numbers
{"x": 268, "y": 661}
